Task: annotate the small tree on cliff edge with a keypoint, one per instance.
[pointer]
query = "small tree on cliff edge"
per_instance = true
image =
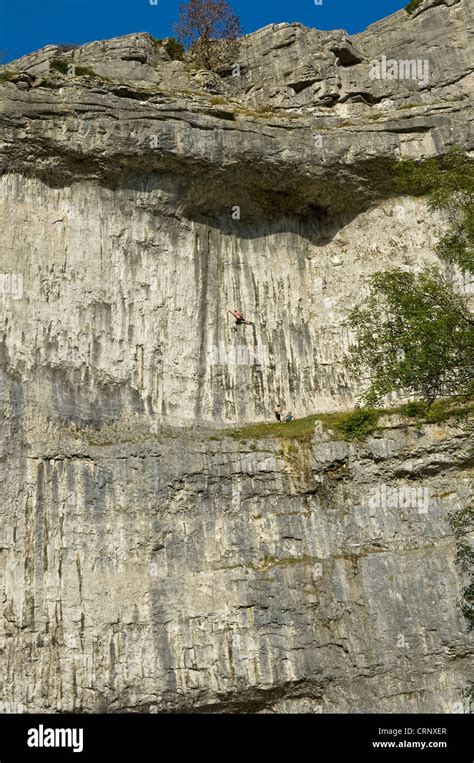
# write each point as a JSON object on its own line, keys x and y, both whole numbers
{"x": 415, "y": 334}
{"x": 206, "y": 27}
{"x": 415, "y": 331}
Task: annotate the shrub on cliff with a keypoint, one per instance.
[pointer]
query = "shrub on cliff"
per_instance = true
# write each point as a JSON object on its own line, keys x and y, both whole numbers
{"x": 355, "y": 425}
{"x": 70, "y": 69}
{"x": 206, "y": 28}
{"x": 6, "y": 75}
{"x": 174, "y": 48}
{"x": 449, "y": 184}
{"x": 414, "y": 334}
{"x": 413, "y": 5}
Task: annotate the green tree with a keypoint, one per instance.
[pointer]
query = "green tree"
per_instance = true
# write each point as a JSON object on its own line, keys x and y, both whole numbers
{"x": 207, "y": 27}
{"x": 415, "y": 334}
{"x": 449, "y": 184}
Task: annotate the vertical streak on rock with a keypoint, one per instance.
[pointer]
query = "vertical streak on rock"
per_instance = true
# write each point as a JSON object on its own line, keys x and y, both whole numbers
{"x": 216, "y": 389}
{"x": 202, "y": 257}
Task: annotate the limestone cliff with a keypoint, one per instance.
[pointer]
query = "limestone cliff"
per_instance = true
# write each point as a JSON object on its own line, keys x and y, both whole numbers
{"x": 192, "y": 572}
{"x": 119, "y": 197}
{"x": 150, "y": 563}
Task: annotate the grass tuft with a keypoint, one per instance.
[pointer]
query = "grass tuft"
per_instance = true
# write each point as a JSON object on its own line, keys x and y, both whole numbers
{"x": 62, "y": 66}
{"x": 413, "y": 5}
{"x": 7, "y": 75}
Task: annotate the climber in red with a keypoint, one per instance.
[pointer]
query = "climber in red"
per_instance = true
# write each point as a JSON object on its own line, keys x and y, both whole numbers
{"x": 239, "y": 319}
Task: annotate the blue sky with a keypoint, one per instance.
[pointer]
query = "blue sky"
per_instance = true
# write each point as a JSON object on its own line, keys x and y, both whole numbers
{"x": 26, "y": 25}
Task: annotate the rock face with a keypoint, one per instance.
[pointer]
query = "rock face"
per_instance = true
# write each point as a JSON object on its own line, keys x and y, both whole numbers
{"x": 145, "y": 210}
{"x": 146, "y": 566}
{"x": 185, "y": 572}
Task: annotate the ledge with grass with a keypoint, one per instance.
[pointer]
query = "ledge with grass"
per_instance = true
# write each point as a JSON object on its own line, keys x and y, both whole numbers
{"x": 360, "y": 423}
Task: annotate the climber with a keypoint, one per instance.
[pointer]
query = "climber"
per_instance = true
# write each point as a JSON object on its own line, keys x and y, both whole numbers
{"x": 239, "y": 319}
{"x": 289, "y": 418}
{"x": 278, "y": 410}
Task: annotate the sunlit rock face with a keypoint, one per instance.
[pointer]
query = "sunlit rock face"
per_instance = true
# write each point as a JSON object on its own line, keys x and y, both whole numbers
{"x": 119, "y": 293}
{"x": 147, "y": 566}
{"x": 138, "y": 208}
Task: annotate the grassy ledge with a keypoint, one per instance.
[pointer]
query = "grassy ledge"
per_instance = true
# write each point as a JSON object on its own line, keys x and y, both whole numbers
{"x": 357, "y": 424}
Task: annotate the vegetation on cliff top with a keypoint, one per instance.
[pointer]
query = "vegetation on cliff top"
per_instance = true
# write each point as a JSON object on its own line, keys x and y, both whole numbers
{"x": 174, "y": 48}
{"x": 413, "y": 5}
{"x": 207, "y": 28}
